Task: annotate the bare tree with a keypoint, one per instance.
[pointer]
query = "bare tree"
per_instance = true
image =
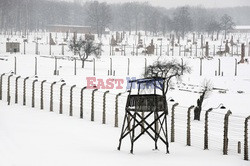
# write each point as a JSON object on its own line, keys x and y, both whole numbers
{"x": 206, "y": 89}
{"x": 182, "y": 21}
{"x": 226, "y": 23}
{"x": 165, "y": 24}
{"x": 154, "y": 20}
{"x": 85, "y": 48}
{"x": 200, "y": 17}
{"x": 126, "y": 16}
{"x": 166, "y": 70}
{"x": 98, "y": 16}
{"x": 212, "y": 27}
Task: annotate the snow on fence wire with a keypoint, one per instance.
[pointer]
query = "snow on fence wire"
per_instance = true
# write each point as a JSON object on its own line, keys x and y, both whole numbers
{"x": 61, "y": 98}
{"x": 216, "y": 130}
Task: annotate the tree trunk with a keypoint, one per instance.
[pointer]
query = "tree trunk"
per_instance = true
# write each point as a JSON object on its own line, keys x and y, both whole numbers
{"x": 197, "y": 110}
{"x": 225, "y": 34}
{"x": 83, "y": 63}
{"x": 197, "y": 113}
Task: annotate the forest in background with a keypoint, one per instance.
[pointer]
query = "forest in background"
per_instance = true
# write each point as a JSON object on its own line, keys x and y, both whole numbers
{"x": 37, "y": 14}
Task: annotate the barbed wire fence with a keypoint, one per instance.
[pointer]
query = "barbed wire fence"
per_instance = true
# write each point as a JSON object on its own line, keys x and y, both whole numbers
{"x": 217, "y": 130}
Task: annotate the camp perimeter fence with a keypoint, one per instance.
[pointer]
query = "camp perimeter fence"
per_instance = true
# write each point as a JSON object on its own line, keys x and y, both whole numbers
{"x": 217, "y": 129}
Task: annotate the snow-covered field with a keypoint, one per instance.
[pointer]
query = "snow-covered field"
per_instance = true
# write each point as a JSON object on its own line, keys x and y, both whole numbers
{"x": 31, "y": 137}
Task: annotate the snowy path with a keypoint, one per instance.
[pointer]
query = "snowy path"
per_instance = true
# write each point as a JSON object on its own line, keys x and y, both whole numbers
{"x": 30, "y": 137}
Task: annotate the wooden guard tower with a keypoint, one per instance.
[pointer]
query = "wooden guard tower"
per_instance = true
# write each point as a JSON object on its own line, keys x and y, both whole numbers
{"x": 147, "y": 112}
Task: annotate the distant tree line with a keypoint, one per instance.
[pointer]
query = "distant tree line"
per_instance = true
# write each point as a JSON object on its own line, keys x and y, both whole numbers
{"x": 23, "y": 15}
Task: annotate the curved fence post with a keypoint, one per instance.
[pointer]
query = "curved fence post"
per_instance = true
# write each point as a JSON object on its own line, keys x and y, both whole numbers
{"x": 51, "y": 96}
{"x": 61, "y": 98}
{"x": 225, "y": 136}
{"x": 8, "y": 89}
{"x": 172, "y": 123}
{"x": 42, "y": 101}
{"x": 81, "y": 102}
{"x": 206, "y": 129}
{"x": 1, "y": 86}
{"x": 24, "y": 90}
{"x": 104, "y": 108}
{"x": 246, "y": 138}
{"x": 33, "y": 93}
{"x": 116, "y": 109}
{"x": 16, "y": 89}
{"x": 93, "y": 105}
{"x": 71, "y": 101}
{"x": 189, "y": 125}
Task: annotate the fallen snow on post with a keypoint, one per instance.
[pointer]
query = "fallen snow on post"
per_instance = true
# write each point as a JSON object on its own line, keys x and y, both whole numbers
{"x": 31, "y": 137}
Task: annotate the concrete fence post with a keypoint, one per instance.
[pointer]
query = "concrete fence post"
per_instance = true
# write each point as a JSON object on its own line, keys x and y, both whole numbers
{"x": 81, "y": 102}
{"x": 24, "y": 90}
{"x": 116, "y": 109}
{"x": 8, "y": 88}
{"x": 24, "y": 47}
{"x": 93, "y": 105}
{"x": 71, "y": 101}
{"x": 200, "y": 66}
{"x": 191, "y": 50}
{"x": 235, "y": 68}
{"x": 61, "y": 98}
{"x": 74, "y": 66}
{"x": 206, "y": 129}
{"x": 214, "y": 51}
{"x": 42, "y": 101}
{"x": 239, "y": 147}
{"x": 94, "y": 66}
{"x": 1, "y": 86}
{"x": 196, "y": 50}
{"x": 16, "y": 89}
{"x": 189, "y": 125}
{"x": 104, "y": 108}
{"x": 33, "y": 93}
{"x": 225, "y": 135}
{"x": 207, "y": 50}
{"x": 128, "y": 66}
{"x": 246, "y": 139}
{"x": 51, "y": 96}
{"x": 111, "y": 65}
{"x": 110, "y": 49}
{"x": 219, "y": 67}
{"x": 55, "y": 70}
{"x": 35, "y": 65}
{"x": 14, "y": 65}
{"x": 172, "y": 122}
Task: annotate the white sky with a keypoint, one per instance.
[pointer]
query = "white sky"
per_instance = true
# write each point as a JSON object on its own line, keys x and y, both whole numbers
{"x": 175, "y": 3}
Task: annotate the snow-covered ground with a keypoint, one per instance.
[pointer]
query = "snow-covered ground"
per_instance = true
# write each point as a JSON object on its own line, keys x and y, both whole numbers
{"x": 34, "y": 137}
{"x": 31, "y": 137}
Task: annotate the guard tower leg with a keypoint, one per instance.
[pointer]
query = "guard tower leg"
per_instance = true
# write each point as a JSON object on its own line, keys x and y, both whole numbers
{"x": 156, "y": 130}
{"x": 166, "y": 130}
{"x": 123, "y": 127}
{"x": 133, "y": 134}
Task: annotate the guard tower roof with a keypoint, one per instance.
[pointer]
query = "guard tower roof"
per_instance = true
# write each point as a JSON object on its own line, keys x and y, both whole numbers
{"x": 149, "y": 79}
